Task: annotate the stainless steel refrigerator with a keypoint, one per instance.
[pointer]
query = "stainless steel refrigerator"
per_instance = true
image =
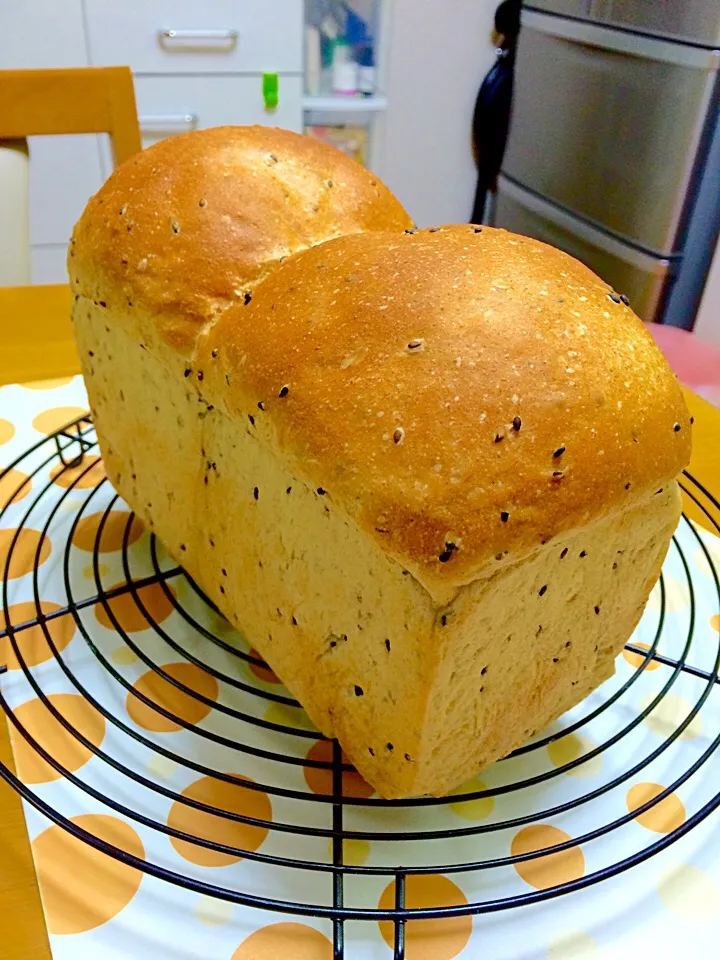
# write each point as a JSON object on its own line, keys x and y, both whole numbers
{"x": 614, "y": 146}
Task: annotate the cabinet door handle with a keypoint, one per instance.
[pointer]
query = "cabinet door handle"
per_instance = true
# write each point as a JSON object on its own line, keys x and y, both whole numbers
{"x": 212, "y": 39}
{"x": 170, "y": 121}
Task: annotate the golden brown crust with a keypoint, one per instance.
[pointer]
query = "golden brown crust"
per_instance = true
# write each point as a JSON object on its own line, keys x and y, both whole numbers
{"x": 464, "y": 395}
{"x": 186, "y": 227}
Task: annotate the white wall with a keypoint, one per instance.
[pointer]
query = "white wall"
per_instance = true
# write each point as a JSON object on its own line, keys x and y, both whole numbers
{"x": 707, "y": 323}
{"x": 439, "y": 52}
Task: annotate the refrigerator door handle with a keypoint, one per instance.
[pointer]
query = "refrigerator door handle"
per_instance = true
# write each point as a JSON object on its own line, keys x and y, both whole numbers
{"x": 581, "y": 228}
{"x": 621, "y": 41}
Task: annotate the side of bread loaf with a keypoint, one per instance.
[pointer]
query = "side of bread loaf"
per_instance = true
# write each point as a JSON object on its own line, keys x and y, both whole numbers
{"x": 430, "y": 476}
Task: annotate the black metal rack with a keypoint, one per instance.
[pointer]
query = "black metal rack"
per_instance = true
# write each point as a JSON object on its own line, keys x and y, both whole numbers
{"x": 68, "y": 451}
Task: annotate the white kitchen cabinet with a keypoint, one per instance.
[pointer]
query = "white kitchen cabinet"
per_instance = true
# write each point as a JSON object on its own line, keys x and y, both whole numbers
{"x": 168, "y": 105}
{"x": 171, "y": 105}
{"x": 195, "y": 65}
{"x": 41, "y": 33}
{"x": 185, "y": 36}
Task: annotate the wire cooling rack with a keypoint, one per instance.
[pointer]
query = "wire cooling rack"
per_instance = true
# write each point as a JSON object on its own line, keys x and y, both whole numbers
{"x": 312, "y": 830}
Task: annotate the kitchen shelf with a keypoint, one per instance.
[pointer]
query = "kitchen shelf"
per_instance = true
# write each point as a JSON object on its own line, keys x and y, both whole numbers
{"x": 345, "y": 104}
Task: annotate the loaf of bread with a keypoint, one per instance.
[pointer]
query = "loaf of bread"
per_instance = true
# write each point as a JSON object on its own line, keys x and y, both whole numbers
{"x": 429, "y": 474}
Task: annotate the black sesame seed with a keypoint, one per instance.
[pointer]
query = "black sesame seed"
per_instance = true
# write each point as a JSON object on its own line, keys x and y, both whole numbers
{"x": 200, "y": 375}
{"x": 294, "y": 622}
{"x": 272, "y": 157}
{"x": 321, "y": 492}
{"x": 558, "y": 474}
{"x": 408, "y": 758}
{"x": 443, "y": 620}
{"x": 387, "y": 646}
{"x": 389, "y": 746}
{"x": 504, "y": 516}
{"x": 330, "y": 183}
{"x": 223, "y": 572}
{"x": 371, "y": 751}
{"x": 410, "y": 230}
{"x": 483, "y": 671}
{"x": 583, "y": 553}
{"x": 187, "y": 373}
{"x": 248, "y": 297}
{"x": 597, "y": 609}
{"x": 517, "y": 423}
{"x": 251, "y": 418}
{"x": 398, "y": 435}
{"x": 214, "y": 353}
{"x": 358, "y": 691}
{"x": 558, "y": 453}
{"x": 477, "y": 229}
{"x": 289, "y": 490}
{"x": 261, "y": 405}
{"x": 692, "y": 420}
{"x": 542, "y": 590}
{"x": 564, "y": 553}
{"x": 284, "y": 391}
{"x": 625, "y": 299}
{"x": 222, "y": 589}
{"x": 256, "y": 493}
{"x": 499, "y": 437}
{"x": 445, "y": 556}
{"x": 676, "y": 427}
{"x": 416, "y": 343}
{"x": 556, "y": 659}
{"x": 614, "y": 297}
{"x": 183, "y": 547}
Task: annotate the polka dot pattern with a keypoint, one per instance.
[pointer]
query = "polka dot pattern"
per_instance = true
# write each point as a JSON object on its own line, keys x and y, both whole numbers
{"x": 49, "y": 421}
{"x": 320, "y": 779}
{"x": 665, "y": 816}
{"x": 82, "y": 888}
{"x": 474, "y": 810}
{"x": 286, "y": 716}
{"x": 118, "y": 524}
{"x": 636, "y": 660}
{"x": 7, "y": 431}
{"x": 690, "y": 894}
{"x": 87, "y": 475}
{"x": 32, "y": 642}
{"x": 167, "y": 696}
{"x": 428, "y": 939}
{"x": 551, "y": 869}
{"x": 568, "y": 749}
{"x": 231, "y": 797}
{"x": 262, "y": 671}
{"x": 53, "y": 737}
{"x": 46, "y": 384}
{"x": 211, "y": 912}
{"x": 279, "y": 940}
{"x": 126, "y": 609}
{"x": 668, "y": 714}
{"x": 28, "y": 544}
{"x": 14, "y": 487}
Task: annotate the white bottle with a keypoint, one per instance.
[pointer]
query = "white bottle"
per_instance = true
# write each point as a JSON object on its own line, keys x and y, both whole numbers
{"x": 344, "y": 69}
{"x": 312, "y": 61}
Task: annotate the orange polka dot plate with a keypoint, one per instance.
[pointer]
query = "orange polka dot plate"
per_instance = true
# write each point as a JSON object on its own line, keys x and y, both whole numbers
{"x": 180, "y": 803}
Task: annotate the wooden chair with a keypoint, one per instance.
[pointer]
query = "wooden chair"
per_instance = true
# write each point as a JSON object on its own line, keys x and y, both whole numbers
{"x": 36, "y": 339}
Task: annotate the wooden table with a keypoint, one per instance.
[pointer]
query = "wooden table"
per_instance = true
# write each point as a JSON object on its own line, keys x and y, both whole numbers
{"x": 23, "y": 935}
